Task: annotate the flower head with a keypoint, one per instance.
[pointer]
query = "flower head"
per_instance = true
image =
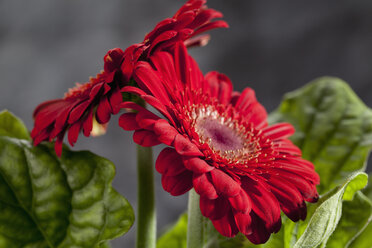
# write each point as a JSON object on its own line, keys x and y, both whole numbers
{"x": 187, "y": 25}
{"x": 220, "y": 144}
{"x": 94, "y": 102}
{"x": 82, "y": 106}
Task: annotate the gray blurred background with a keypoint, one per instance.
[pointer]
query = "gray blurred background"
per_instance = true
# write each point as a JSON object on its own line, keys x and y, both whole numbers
{"x": 272, "y": 46}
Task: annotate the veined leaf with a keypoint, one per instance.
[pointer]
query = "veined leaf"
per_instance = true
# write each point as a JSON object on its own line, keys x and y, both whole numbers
{"x": 333, "y": 128}
{"x": 47, "y": 201}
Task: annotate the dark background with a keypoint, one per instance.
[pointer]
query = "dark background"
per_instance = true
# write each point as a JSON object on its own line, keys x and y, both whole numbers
{"x": 272, "y": 46}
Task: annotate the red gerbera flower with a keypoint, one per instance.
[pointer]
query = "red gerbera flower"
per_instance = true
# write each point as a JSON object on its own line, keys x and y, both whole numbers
{"x": 192, "y": 19}
{"x": 93, "y": 101}
{"x": 221, "y": 145}
{"x": 100, "y": 97}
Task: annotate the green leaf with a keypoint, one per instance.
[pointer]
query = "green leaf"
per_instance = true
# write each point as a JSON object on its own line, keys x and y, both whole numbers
{"x": 176, "y": 236}
{"x": 333, "y": 128}
{"x": 50, "y": 202}
{"x": 12, "y": 126}
{"x": 327, "y": 213}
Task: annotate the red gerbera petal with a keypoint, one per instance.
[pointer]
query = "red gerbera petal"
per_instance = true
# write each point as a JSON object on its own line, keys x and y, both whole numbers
{"x": 88, "y": 123}
{"x": 259, "y": 233}
{"x": 244, "y": 223}
{"x": 176, "y": 185}
{"x": 241, "y": 202}
{"x": 220, "y": 86}
{"x": 264, "y": 203}
{"x": 185, "y": 147}
{"x": 214, "y": 209}
{"x": 145, "y": 138}
{"x": 166, "y": 156}
{"x": 203, "y": 186}
{"x": 224, "y": 184}
{"x": 290, "y": 199}
{"x": 128, "y": 122}
{"x": 197, "y": 165}
{"x": 226, "y": 225}
{"x": 166, "y": 133}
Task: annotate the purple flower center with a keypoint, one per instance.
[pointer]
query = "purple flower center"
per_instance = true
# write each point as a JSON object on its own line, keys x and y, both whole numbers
{"x": 224, "y": 135}
{"x": 219, "y": 136}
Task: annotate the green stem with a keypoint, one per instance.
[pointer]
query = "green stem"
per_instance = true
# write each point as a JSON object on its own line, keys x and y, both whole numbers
{"x": 195, "y": 224}
{"x": 146, "y": 214}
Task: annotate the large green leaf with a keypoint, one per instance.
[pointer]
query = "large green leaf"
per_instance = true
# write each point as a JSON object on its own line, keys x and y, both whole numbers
{"x": 12, "y": 126}
{"x": 47, "y": 201}
{"x": 333, "y": 128}
{"x": 326, "y": 214}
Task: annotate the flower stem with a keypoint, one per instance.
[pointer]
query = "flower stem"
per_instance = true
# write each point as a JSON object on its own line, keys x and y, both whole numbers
{"x": 146, "y": 214}
{"x": 195, "y": 222}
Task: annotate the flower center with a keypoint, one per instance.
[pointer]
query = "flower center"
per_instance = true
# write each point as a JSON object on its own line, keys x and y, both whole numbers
{"x": 218, "y": 135}
{"x": 226, "y": 137}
